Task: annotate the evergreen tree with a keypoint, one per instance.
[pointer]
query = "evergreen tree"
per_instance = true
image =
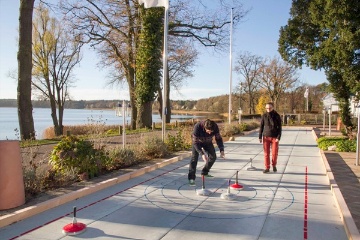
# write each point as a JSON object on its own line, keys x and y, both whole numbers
{"x": 325, "y": 34}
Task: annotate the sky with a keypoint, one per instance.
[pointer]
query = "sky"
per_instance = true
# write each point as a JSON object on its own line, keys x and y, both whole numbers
{"x": 257, "y": 34}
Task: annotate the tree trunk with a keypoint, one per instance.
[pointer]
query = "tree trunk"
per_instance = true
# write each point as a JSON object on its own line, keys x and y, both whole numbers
{"x": 145, "y": 116}
{"x": 133, "y": 114}
{"x": 26, "y": 121}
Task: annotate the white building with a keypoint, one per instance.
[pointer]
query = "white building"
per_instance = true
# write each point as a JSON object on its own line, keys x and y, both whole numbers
{"x": 330, "y": 102}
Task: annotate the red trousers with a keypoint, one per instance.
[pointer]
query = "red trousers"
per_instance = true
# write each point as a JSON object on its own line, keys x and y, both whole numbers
{"x": 267, "y": 143}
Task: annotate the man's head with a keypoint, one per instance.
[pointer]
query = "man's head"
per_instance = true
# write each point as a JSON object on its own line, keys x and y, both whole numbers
{"x": 209, "y": 126}
{"x": 269, "y": 107}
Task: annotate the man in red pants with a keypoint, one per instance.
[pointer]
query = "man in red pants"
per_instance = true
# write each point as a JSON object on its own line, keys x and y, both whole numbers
{"x": 269, "y": 136}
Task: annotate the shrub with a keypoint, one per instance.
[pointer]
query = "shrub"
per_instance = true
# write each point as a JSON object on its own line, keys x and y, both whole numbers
{"x": 32, "y": 184}
{"x": 178, "y": 142}
{"x": 74, "y": 154}
{"x": 346, "y": 146}
{"x": 121, "y": 157}
{"x": 230, "y": 129}
{"x": 152, "y": 147}
{"x": 325, "y": 142}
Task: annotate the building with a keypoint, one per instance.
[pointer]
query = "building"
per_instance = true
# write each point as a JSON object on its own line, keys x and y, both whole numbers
{"x": 330, "y": 102}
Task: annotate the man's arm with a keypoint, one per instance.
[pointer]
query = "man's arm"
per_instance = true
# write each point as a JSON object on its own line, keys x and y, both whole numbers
{"x": 279, "y": 127}
{"x": 195, "y": 138}
{"x": 219, "y": 141}
{"x": 261, "y": 128}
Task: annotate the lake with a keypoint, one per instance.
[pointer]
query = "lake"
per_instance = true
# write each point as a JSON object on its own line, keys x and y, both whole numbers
{"x": 9, "y": 123}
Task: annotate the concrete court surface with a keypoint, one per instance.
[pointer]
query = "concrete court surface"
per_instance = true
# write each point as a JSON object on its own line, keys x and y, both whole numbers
{"x": 294, "y": 203}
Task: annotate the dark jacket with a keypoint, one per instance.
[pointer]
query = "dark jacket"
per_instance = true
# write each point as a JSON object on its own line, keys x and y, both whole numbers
{"x": 270, "y": 125}
{"x": 200, "y": 137}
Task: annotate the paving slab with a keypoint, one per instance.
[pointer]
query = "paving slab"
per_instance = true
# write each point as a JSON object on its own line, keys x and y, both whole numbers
{"x": 296, "y": 202}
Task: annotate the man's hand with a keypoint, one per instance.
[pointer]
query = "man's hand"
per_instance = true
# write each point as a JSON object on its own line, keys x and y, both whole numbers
{"x": 204, "y": 157}
{"x": 222, "y": 154}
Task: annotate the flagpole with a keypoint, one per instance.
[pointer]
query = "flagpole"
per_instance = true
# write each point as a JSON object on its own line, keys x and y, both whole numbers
{"x": 307, "y": 104}
{"x": 230, "y": 84}
{"x": 164, "y": 112}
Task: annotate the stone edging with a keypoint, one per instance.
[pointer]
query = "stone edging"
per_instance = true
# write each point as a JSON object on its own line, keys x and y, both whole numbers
{"x": 352, "y": 231}
{"x": 52, "y": 203}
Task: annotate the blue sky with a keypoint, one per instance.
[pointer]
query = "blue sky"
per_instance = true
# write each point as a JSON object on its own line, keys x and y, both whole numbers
{"x": 258, "y": 34}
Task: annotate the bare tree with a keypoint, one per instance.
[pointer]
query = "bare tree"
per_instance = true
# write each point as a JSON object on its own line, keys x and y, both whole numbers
{"x": 55, "y": 54}
{"x": 26, "y": 121}
{"x": 248, "y": 65}
{"x": 276, "y": 77}
{"x": 112, "y": 27}
{"x": 181, "y": 59}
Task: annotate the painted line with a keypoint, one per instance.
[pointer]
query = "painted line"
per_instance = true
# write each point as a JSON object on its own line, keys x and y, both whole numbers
{"x": 107, "y": 197}
{"x": 306, "y": 205}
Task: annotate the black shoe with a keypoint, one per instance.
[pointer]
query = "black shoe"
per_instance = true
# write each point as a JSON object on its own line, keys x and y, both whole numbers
{"x": 208, "y": 176}
{"x": 274, "y": 169}
{"x": 266, "y": 170}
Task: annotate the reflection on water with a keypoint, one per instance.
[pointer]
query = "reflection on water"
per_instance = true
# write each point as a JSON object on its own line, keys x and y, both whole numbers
{"x": 9, "y": 124}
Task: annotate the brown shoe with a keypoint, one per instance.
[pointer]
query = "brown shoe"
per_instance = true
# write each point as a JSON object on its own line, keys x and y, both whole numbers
{"x": 266, "y": 170}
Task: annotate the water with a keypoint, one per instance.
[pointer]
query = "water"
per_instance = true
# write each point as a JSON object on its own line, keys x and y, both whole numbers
{"x": 9, "y": 123}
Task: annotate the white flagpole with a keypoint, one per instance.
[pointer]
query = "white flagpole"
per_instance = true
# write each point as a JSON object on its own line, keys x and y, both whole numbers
{"x": 164, "y": 111}
{"x": 230, "y": 84}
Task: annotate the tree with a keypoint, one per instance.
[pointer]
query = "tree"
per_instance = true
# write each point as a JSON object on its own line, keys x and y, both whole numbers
{"x": 262, "y": 103}
{"x": 343, "y": 95}
{"x": 181, "y": 59}
{"x": 325, "y": 35}
{"x": 248, "y": 65}
{"x": 148, "y": 61}
{"x": 55, "y": 54}
{"x": 26, "y": 121}
{"x": 276, "y": 77}
{"x": 113, "y": 28}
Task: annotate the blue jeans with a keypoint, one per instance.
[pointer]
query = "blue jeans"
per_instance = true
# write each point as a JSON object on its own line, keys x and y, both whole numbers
{"x": 194, "y": 160}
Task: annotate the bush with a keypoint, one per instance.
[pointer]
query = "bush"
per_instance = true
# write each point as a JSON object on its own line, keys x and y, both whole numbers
{"x": 179, "y": 142}
{"x": 235, "y": 128}
{"x": 325, "y": 142}
{"x": 121, "y": 157}
{"x": 342, "y": 144}
{"x": 346, "y": 146}
{"x": 74, "y": 154}
{"x": 248, "y": 126}
{"x": 152, "y": 147}
{"x": 230, "y": 129}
